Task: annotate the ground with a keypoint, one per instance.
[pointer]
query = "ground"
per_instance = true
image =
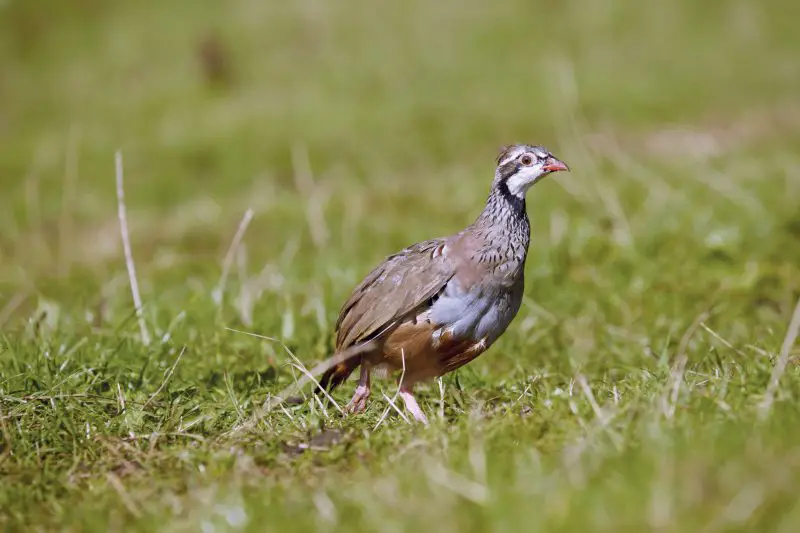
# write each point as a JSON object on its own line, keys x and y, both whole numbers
{"x": 641, "y": 387}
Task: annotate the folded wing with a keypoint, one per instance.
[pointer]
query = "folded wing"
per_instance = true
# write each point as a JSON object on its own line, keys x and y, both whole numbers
{"x": 399, "y": 288}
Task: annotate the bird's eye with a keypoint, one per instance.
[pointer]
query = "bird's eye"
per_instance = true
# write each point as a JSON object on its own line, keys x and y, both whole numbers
{"x": 526, "y": 160}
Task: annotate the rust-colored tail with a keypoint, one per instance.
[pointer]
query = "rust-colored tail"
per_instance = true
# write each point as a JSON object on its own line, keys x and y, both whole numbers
{"x": 337, "y": 374}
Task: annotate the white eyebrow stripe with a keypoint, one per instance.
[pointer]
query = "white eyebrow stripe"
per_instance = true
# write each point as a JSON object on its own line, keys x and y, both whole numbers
{"x": 511, "y": 156}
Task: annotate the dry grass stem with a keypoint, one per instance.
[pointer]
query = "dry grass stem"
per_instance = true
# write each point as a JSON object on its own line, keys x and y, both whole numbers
{"x": 314, "y": 196}
{"x": 126, "y": 244}
{"x": 124, "y": 497}
{"x": 780, "y": 366}
{"x": 218, "y": 293}
{"x": 167, "y": 377}
{"x": 393, "y": 399}
{"x": 309, "y": 376}
{"x": 11, "y": 305}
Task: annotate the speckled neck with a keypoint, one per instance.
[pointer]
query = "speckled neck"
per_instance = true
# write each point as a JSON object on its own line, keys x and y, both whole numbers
{"x": 504, "y": 227}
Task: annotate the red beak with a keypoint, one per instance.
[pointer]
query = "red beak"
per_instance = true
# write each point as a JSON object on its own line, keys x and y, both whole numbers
{"x": 554, "y": 165}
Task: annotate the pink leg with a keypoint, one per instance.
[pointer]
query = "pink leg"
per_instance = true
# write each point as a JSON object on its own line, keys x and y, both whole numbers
{"x": 411, "y": 404}
{"x": 359, "y": 401}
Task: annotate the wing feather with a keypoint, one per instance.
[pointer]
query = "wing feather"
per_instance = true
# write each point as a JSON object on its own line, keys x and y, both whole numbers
{"x": 398, "y": 287}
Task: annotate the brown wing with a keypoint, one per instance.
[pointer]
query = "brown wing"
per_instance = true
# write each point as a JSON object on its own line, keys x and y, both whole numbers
{"x": 395, "y": 289}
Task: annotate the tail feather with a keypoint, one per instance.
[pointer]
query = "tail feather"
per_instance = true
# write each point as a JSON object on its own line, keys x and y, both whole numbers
{"x": 335, "y": 370}
{"x": 337, "y": 374}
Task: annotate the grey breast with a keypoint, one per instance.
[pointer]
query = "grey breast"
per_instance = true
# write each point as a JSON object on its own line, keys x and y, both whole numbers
{"x": 484, "y": 312}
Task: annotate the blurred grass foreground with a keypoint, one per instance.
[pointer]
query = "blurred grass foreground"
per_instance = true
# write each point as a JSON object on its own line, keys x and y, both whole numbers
{"x": 649, "y": 382}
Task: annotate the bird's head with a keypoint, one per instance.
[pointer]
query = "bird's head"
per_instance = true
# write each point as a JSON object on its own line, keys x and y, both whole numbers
{"x": 519, "y": 166}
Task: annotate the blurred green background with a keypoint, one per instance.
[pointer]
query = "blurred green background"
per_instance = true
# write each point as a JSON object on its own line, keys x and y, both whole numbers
{"x": 662, "y": 275}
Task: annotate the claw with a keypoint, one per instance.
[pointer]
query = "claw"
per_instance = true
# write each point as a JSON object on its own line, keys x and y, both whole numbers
{"x": 359, "y": 401}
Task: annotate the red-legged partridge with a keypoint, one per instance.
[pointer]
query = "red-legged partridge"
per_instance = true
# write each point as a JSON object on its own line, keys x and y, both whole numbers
{"x": 437, "y": 305}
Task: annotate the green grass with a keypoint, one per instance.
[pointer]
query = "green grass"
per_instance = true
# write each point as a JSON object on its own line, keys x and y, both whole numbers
{"x": 661, "y": 280}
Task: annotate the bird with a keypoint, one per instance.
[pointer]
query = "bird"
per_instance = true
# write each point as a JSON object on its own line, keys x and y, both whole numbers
{"x": 435, "y": 306}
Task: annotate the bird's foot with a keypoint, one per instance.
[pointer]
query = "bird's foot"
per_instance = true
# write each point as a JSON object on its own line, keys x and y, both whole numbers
{"x": 412, "y": 406}
{"x": 359, "y": 401}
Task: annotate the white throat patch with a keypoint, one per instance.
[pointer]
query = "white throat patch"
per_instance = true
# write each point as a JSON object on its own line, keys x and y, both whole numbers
{"x": 519, "y": 183}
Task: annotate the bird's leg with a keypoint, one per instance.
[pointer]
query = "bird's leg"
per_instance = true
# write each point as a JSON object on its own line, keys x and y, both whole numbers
{"x": 359, "y": 401}
{"x": 411, "y": 404}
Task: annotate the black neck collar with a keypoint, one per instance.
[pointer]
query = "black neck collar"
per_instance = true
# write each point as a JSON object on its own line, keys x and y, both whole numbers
{"x": 516, "y": 203}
